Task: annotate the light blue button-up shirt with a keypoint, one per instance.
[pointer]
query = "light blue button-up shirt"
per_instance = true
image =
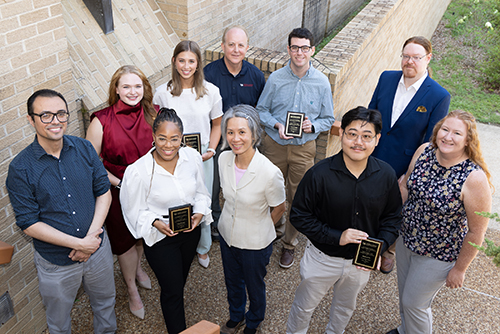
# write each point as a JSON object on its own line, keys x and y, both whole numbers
{"x": 284, "y": 91}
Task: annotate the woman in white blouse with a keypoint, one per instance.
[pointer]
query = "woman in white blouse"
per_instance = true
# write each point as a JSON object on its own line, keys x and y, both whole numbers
{"x": 199, "y": 105}
{"x": 169, "y": 175}
{"x": 254, "y": 193}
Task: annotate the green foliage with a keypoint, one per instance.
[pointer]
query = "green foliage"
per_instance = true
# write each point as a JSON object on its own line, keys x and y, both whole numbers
{"x": 491, "y": 67}
{"x": 467, "y": 67}
{"x": 491, "y": 249}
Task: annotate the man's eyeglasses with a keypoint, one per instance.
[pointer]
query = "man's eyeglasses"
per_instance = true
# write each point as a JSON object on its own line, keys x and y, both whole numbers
{"x": 304, "y": 48}
{"x": 48, "y": 117}
{"x": 415, "y": 59}
{"x": 353, "y": 136}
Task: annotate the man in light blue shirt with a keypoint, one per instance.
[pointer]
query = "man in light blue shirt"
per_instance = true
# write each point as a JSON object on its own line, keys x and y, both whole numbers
{"x": 297, "y": 87}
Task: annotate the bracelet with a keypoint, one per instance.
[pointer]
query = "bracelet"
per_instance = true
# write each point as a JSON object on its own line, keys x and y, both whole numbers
{"x": 119, "y": 185}
{"x": 211, "y": 150}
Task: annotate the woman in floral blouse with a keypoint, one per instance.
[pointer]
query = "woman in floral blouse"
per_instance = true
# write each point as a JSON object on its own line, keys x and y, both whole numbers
{"x": 446, "y": 183}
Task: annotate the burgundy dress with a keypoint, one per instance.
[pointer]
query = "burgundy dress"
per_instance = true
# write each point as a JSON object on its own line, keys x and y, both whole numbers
{"x": 126, "y": 137}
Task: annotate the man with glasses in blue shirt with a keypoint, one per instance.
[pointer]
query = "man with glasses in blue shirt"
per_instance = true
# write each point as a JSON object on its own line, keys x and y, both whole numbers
{"x": 411, "y": 103}
{"x": 298, "y": 87}
{"x": 59, "y": 191}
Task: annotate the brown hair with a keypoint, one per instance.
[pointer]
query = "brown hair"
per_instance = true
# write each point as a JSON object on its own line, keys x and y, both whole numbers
{"x": 147, "y": 99}
{"x": 174, "y": 84}
{"x": 473, "y": 147}
{"x": 425, "y": 43}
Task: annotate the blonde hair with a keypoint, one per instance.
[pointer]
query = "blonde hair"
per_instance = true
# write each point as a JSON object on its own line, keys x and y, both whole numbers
{"x": 175, "y": 84}
{"x": 147, "y": 98}
{"x": 473, "y": 147}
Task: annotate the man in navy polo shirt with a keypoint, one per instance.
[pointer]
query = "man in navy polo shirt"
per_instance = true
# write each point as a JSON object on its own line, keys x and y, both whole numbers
{"x": 59, "y": 190}
{"x": 239, "y": 82}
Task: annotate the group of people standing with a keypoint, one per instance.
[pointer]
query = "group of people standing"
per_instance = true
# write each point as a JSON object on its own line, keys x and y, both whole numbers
{"x": 409, "y": 174}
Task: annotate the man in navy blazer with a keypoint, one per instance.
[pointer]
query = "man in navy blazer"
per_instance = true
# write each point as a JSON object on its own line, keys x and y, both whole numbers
{"x": 411, "y": 104}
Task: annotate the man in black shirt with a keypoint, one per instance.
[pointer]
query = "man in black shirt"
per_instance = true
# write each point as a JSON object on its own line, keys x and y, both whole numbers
{"x": 340, "y": 201}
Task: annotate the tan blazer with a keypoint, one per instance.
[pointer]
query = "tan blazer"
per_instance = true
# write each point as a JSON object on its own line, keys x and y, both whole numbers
{"x": 246, "y": 221}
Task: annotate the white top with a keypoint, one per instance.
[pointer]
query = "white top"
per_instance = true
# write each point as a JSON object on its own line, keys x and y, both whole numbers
{"x": 195, "y": 114}
{"x": 246, "y": 221}
{"x": 403, "y": 96}
{"x": 145, "y": 198}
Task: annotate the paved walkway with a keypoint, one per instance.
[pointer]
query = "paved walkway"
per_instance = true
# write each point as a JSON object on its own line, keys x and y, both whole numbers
{"x": 472, "y": 309}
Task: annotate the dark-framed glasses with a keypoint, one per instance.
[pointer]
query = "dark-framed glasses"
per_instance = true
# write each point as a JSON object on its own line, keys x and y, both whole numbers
{"x": 304, "y": 48}
{"x": 364, "y": 137}
{"x": 415, "y": 59}
{"x": 48, "y": 117}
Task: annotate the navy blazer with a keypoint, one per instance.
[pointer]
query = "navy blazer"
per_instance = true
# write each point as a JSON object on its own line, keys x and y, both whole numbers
{"x": 415, "y": 125}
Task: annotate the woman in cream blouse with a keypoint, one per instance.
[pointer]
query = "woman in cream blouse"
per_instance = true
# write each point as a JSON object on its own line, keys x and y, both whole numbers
{"x": 169, "y": 175}
{"x": 254, "y": 193}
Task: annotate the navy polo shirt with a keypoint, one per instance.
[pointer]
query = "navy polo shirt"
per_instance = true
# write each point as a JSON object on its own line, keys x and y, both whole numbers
{"x": 244, "y": 88}
{"x": 58, "y": 192}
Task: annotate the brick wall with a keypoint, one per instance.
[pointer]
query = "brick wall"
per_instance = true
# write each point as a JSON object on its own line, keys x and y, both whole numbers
{"x": 267, "y": 22}
{"x": 142, "y": 36}
{"x": 34, "y": 55}
{"x": 354, "y": 59}
{"x": 370, "y": 44}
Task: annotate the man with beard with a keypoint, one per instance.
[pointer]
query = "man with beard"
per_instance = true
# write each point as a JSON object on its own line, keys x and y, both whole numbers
{"x": 411, "y": 104}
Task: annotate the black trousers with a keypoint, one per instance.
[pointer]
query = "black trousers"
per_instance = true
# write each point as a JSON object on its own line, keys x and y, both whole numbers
{"x": 170, "y": 260}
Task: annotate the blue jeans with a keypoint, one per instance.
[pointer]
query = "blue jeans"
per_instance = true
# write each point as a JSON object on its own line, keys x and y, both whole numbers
{"x": 245, "y": 268}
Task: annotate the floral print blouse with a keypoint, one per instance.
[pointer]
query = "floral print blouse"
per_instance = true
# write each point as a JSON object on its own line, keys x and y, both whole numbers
{"x": 434, "y": 218}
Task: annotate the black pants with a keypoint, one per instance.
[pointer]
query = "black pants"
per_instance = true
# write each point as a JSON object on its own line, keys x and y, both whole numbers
{"x": 170, "y": 260}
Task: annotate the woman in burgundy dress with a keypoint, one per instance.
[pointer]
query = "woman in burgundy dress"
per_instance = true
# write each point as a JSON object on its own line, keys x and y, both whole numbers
{"x": 121, "y": 134}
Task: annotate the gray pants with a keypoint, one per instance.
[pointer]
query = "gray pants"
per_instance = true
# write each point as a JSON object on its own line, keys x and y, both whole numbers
{"x": 59, "y": 285}
{"x": 419, "y": 280}
{"x": 319, "y": 272}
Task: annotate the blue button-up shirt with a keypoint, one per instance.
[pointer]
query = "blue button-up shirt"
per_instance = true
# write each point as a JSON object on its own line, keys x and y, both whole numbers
{"x": 58, "y": 192}
{"x": 244, "y": 88}
{"x": 284, "y": 91}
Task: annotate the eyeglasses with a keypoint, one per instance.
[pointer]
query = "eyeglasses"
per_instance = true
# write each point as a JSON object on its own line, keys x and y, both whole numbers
{"x": 353, "y": 136}
{"x": 304, "y": 48}
{"x": 48, "y": 117}
{"x": 415, "y": 59}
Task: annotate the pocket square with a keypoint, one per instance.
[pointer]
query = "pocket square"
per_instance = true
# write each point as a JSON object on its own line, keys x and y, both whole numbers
{"x": 421, "y": 109}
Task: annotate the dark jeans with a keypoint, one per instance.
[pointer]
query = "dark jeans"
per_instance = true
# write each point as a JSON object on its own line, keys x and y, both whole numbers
{"x": 170, "y": 260}
{"x": 245, "y": 268}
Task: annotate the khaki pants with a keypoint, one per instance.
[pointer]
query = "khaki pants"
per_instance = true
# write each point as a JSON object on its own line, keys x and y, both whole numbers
{"x": 293, "y": 161}
{"x": 318, "y": 273}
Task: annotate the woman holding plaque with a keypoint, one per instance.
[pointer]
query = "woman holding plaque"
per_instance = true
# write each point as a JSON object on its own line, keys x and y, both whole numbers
{"x": 121, "y": 134}
{"x": 446, "y": 183}
{"x": 254, "y": 193}
{"x": 199, "y": 105}
{"x": 169, "y": 176}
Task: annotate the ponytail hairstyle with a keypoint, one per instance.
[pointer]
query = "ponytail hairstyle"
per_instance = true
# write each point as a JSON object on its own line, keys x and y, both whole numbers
{"x": 167, "y": 115}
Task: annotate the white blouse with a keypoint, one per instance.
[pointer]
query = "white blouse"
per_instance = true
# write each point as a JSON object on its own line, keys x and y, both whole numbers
{"x": 147, "y": 195}
{"x": 246, "y": 220}
{"x": 195, "y": 114}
